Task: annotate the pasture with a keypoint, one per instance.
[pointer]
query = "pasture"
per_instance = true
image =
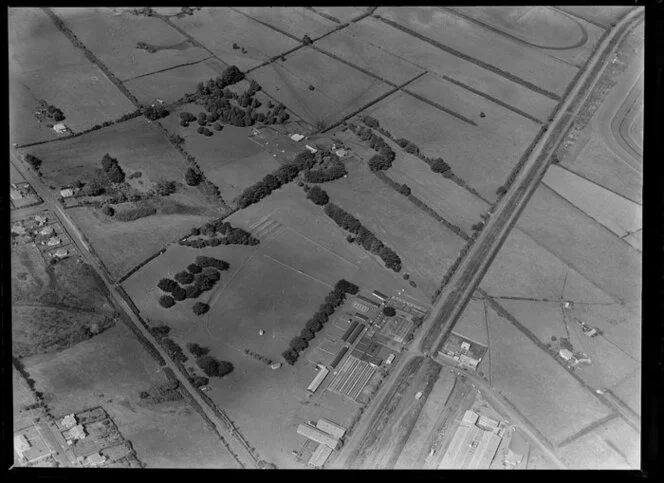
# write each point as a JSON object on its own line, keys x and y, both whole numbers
{"x": 533, "y": 382}
{"x": 592, "y": 452}
{"x": 51, "y": 68}
{"x": 369, "y": 57}
{"x": 343, "y": 14}
{"x": 608, "y": 262}
{"x": 472, "y": 324}
{"x": 543, "y": 319}
{"x": 525, "y": 269}
{"x": 592, "y": 159}
{"x": 604, "y": 15}
{"x": 444, "y": 64}
{"x": 219, "y": 28}
{"x": 616, "y": 213}
{"x": 110, "y": 370}
{"x": 230, "y": 158}
{"x": 296, "y": 21}
{"x": 173, "y": 84}
{"x": 112, "y": 37}
{"x": 557, "y": 33}
{"x": 484, "y": 45}
{"x": 624, "y": 438}
{"x": 629, "y": 391}
{"x": 24, "y": 128}
{"x": 480, "y": 157}
{"x": 426, "y": 248}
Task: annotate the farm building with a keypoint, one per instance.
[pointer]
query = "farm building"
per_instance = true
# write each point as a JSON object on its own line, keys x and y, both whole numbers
{"x": 566, "y": 354}
{"x": 94, "y": 460}
{"x": 349, "y": 330}
{"x": 40, "y": 219}
{"x": 77, "y": 432}
{"x": 338, "y": 357}
{"x": 317, "y": 435}
{"x": 53, "y": 241}
{"x": 21, "y": 444}
{"x": 15, "y": 194}
{"x": 67, "y": 192}
{"x": 362, "y": 317}
{"x": 380, "y": 296}
{"x": 60, "y": 128}
{"x": 297, "y": 137}
{"x": 322, "y": 374}
{"x": 487, "y": 424}
{"x": 368, "y": 301}
{"x": 320, "y": 456}
{"x": 465, "y": 346}
{"x": 389, "y": 360}
{"x": 48, "y": 230}
{"x": 353, "y": 337}
{"x": 331, "y": 428}
{"x": 470, "y": 417}
{"x": 18, "y": 229}
{"x": 311, "y": 149}
{"x": 69, "y": 421}
{"x": 61, "y": 253}
{"x": 517, "y": 450}
{"x": 467, "y": 361}
{"x": 471, "y": 448}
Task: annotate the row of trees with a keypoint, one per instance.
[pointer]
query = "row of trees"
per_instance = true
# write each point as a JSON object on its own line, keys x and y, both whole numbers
{"x": 364, "y": 237}
{"x": 318, "y": 196}
{"x": 210, "y": 366}
{"x": 386, "y": 155}
{"x": 33, "y": 161}
{"x": 231, "y": 235}
{"x": 335, "y": 171}
{"x": 315, "y": 324}
{"x": 272, "y": 181}
{"x": 155, "y": 111}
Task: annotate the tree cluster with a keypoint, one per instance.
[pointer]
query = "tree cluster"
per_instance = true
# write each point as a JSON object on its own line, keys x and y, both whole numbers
{"x": 165, "y": 188}
{"x": 336, "y": 171}
{"x": 258, "y": 357}
{"x": 199, "y": 381}
{"x": 136, "y": 213}
{"x": 389, "y": 311}
{"x": 204, "y": 262}
{"x": 404, "y": 189}
{"x": 184, "y": 277}
{"x": 364, "y": 237}
{"x": 231, "y": 235}
{"x": 193, "y": 177}
{"x": 33, "y": 161}
{"x": 386, "y": 154}
{"x": 160, "y": 331}
{"x": 371, "y": 122}
{"x": 318, "y": 196}
{"x": 173, "y": 350}
{"x": 154, "y": 112}
{"x": 213, "y": 367}
{"x": 333, "y": 299}
{"x": 200, "y": 308}
{"x": 438, "y": 165}
{"x": 408, "y": 146}
{"x": 199, "y": 277}
{"x": 112, "y": 169}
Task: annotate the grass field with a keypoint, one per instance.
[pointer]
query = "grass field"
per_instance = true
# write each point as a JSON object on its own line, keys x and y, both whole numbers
{"x": 343, "y": 14}
{"x": 625, "y": 439}
{"x": 472, "y": 323}
{"x": 338, "y": 88}
{"x": 297, "y": 21}
{"x": 484, "y": 45}
{"x": 123, "y": 245}
{"x": 173, "y": 84}
{"x": 544, "y": 319}
{"x": 592, "y": 159}
{"x": 429, "y": 57}
{"x": 588, "y": 247}
{"x": 604, "y": 15}
{"x": 40, "y": 53}
{"x": 218, "y": 28}
{"x": 592, "y": 452}
{"x": 533, "y": 382}
{"x": 480, "y": 157}
{"x": 369, "y": 57}
{"x": 112, "y": 37}
{"x": 426, "y": 248}
{"x": 629, "y": 391}
{"x": 523, "y": 268}
{"x": 618, "y": 214}
{"x": 229, "y": 158}
{"x": 110, "y": 370}
{"x": 24, "y": 128}
{"x": 572, "y": 40}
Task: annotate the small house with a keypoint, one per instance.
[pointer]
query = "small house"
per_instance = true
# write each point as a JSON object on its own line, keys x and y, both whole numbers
{"x": 67, "y": 193}
{"x": 565, "y": 354}
{"x": 60, "y": 128}
{"x": 467, "y": 361}
{"x": 18, "y": 229}
{"x": 69, "y": 421}
{"x": 311, "y": 149}
{"x": 46, "y": 231}
{"x": 40, "y": 219}
{"x": 53, "y": 241}
{"x": 15, "y": 194}
{"x": 465, "y": 346}
{"x": 95, "y": 459}
{"x": 77, "y": 432}
{"x": 297, "y": 137}
{"x": 61, "y": 253}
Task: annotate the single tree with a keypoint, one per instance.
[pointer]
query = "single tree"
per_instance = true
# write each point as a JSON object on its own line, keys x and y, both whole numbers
{"x": 166, "y": 301}
{"x": 389, "y": 311}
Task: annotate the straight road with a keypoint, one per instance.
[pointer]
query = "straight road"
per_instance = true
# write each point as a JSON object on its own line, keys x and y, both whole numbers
{"x": 460, "y": 288}
{"x": 50, "y": 201}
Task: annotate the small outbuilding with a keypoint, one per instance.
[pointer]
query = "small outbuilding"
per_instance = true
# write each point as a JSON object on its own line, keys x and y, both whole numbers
{"x": 297, "y": 137}
{"x": 566, "y": 354}
{"x": 311, "y": 149}
{"x": 67, "y": 193}
{"x": 60, "y": 128}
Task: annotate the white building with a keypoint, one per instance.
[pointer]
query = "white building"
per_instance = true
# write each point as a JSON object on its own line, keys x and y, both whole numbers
{"x": 470, "y": 417}
{"x": 61, "y": 253}
{"x": 330, "y": 428}
{"x": 566, "y": 354}
{"x": 21, "y": 444}
{"x": 322, "y": 374}
{"x": 69, "y": 421}
{"x": 487, "y": 423}
{"x": 77, "y": 432}
{"x": 53, "y": 241}
{"x": 60, "y": 128}
{"x": 67, "y": 193}
{"x": 48, "y": 230}
{"x": 297, "y": 137}
{"x": 15, "y": 194}
{"x": 311, "y": 149}
{"x": 465, "y": 346}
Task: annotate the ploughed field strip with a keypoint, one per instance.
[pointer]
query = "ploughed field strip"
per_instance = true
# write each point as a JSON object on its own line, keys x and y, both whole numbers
{"x": 352, "y": 377}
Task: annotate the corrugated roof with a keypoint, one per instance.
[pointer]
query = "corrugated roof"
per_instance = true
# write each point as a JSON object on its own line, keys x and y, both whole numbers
{"x": 331, "y": 428}
{"x": 317, "y": 435}
{"x": 320, "y": 456}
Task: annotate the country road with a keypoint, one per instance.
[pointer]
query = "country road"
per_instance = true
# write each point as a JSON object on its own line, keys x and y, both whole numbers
{"x": 50, "y": 200}
{"x": 462, "y": 285}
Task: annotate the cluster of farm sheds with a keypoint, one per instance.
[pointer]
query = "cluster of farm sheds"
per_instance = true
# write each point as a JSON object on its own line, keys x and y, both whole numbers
{"x": 90, "y": 438}
{"x": 353, "y": 366}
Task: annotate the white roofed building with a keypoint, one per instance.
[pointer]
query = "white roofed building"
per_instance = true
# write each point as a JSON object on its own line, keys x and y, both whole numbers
{"x": 331, "y": 428}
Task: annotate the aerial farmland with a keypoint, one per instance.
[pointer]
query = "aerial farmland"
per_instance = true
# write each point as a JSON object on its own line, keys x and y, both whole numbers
{"x": 328, "y": 237}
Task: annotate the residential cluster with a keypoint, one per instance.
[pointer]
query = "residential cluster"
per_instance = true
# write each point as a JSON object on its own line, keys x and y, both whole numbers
{"x": 46, "y": 233}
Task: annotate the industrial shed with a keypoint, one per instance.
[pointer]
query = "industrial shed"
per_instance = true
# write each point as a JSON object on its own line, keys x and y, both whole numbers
{"x": 331, "y": 428}
{"x": 322, "y": 374}
{"x": 320, "y": 456}
{"x": 317, "y": 435}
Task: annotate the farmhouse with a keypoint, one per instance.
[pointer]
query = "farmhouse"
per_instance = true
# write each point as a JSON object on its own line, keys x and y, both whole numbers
{"x": 61, "y": 253}
{"x": 320, "y": 456}
{"x": 15, "y": 194}
{"x": 467, "y": 361}
{"x": 470, "y": 417}
{"x": 77, "y": 432}
{"x": 60, "y": 128}
{"x": 69, "y": 421}
{"x": 565, "y": 354}
{"x": 67, "y": 192}
{"x": 322, "y": 374}
{"x": 317, "y": 435}
{"x": 53, "y": 241}
{"x": 331, "y": 428}
{"x": 297, "y": 137}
